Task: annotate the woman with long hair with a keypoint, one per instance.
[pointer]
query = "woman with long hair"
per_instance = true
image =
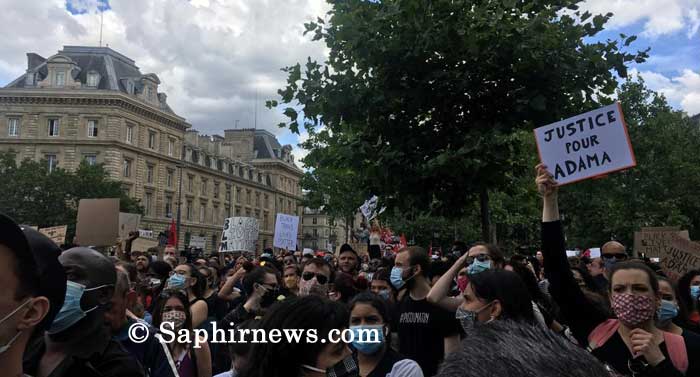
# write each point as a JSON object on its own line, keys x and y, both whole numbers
{"x": 173, "y": 313}
{"x": 689, "y": 300}
{"x": 186, "y": 277}
{"x": 631, "y": 343}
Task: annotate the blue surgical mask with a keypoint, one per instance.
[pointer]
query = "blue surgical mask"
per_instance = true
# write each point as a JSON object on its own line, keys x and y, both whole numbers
{"x": 384, "y": 294}
{"x": 71, "y": 312}
{"x": 177, "y": 281}
{"x": 695, "y": 291}
{"x": 667, "y": 311}
{"x": 608, "y": 263}
{"x": 468, "y": 318}
{"x": 396, "y": 278}
{"x": 478, "y": 266}
{"x": 374, "y": 336}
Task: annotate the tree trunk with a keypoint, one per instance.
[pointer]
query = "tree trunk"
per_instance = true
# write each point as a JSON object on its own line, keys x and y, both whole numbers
{"x": 485, "y": 215}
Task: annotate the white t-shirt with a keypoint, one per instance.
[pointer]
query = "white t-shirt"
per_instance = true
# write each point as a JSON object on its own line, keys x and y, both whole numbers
{"x": 406, "y": 368}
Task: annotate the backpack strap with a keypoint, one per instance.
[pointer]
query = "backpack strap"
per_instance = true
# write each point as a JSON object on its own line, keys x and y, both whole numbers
{"x": 602, "y": 333}
{"x": 675, "y": 345}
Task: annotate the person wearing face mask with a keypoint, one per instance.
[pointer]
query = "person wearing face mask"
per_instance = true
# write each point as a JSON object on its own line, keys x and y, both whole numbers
{"x": 368, "y": 312}
{"x": 426, "y": 331}
{"x": 689, "y": 301}
{"x": 79, "y": 343}
{"x": 668, "y": 311}
{"x": 631, "y": 344}
{"x": 173, "y": 314}
{"x": 262, "y": 288}
{"x": 480, "y": 257}
{"x": 150, "y": 352}
{"x": 315, "y": 278}
{"x": 291, "y": 279}
{"x": 186, "y": 277}
{"x": 381, "y": 286}
{"x": 33, "y": 290}
{"x": 309, "y": 357}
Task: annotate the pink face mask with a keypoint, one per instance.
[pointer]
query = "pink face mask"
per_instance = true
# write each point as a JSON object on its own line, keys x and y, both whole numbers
{"x": 462, "y": 282}
{"x": 632, "y": 310}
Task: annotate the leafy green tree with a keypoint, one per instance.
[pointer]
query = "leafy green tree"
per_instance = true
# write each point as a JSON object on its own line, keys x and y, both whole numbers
{"x": 421, "y": 101}
{"x": 32, "y": 195}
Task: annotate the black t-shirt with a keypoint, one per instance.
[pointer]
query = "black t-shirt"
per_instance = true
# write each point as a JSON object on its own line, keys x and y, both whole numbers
{"x": 422, "y": 329}
{"x": 386, "y": 364}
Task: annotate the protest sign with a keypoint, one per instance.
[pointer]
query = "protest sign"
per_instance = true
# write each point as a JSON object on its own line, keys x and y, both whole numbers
{"x": 198, "y": 242}
{"x": 146, "y": 233}
{"x": 239, "y": 234}
{"x": 595, "y": 252}
{"x": 128, "y": 222}
{"x": 369, "y": 208}
{"x": 286, "y": 229}
{"x": 681, "y": 256}
{"x": 57, "y": 234}
{"x": 143, "y": 244}
{"x": 653, "y": 242}
{"x": 98, "y": 222}
{"x": 587, "y": 145}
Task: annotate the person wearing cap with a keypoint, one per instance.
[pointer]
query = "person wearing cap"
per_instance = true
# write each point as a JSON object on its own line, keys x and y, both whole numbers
{"x": 78, "y": 342}
{"x": 307, "y": 256}
{"x": 31, "y": 278}
{"x": 348, "y": 260}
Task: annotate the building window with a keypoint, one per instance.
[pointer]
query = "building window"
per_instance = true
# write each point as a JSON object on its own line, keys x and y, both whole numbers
{"x": 228, "y": 210}
{"x": 202, "y": 212}
{"x": 216, "y": 190}
{"x": 171, "y": 146}
{"x": 29, "y": 80}
{"x": 260, "y": 177}
{"x": 248, "y": 195}
{"x": 169, "y": 178}
{"x": 149, "y": 93}
{"x": 148, "y": 204}
{"x": 189, "y": 210}
{"x": 207, "y": 161}
{"x": 91, "y": 159}
{"x": 190, "y": 183}
{"x": 204, "y": 187}
{"x": 250, "y": 175}
{"x": 129, "y": 134}
{"x": 52, "y": 161}
{"x": 130, "y": 87}
{"x": 195, "y": 157}
{"x": 219, "y": 165}
{"x": 228, "y": 193}
{"x": 92, "y": 128}
{"x": 149, "y": 173}
{"x": 265, "y": 224}
{"x": 169, "y": 206}
{"x": 13, "y": 127}
{"x": 215, "y": 214}
{"x": 238, "y": 211}
{"x": 93, "y": 79}
{"x": 60, "y": 78}
{"x": 53, "y": 127}
{"x": 315, "y": 232}
{"x": 151, "y": 139}
{"x": 238, "y": 195}
{"x": 127, "y": 168}
{"x": 247, "y": 212}
{"x": 240, "y": 172}
{"x": 313, "y": 220}
{"x": 257, "y": 199}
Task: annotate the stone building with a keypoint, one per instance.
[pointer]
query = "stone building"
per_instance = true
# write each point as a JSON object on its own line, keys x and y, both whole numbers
{"x": 94, "y": 104}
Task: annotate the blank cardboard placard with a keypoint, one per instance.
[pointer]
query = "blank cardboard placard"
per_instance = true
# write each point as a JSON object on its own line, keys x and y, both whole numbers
{"x": 587, "y": 145}
{"x": 98, "y": 222}
{"x": 128, "y": 222}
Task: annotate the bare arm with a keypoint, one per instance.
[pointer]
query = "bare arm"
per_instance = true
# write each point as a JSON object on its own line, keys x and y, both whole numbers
{"x": 199, "y": 311}
{"x": 203, "y": 355}
{"x": 226, "y": 292}
{"x": 438, "y": 293}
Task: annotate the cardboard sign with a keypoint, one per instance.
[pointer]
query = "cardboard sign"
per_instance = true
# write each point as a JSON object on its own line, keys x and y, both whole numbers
{"x": 587, "y": 145}
{"x": 143, "y": 244}
{"x": 369, "y": 208}
{"x": 286, "y": 229}
{"x": 682, "y": 256}
{"x": 57, "y": 234}
{"x": 654, "y": 242}
{"x": 239, "y": 234}
{"x": 128, "y": 222}
{"x": 98, "y": 222}
{"x": 198, "y": 242}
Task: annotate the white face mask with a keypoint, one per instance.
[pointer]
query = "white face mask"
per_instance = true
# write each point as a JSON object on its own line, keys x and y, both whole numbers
{"x": 7, "y": 345}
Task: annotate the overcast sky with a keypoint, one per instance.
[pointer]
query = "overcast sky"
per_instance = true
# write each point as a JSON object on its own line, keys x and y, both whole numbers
{"x": 213, "y": 56}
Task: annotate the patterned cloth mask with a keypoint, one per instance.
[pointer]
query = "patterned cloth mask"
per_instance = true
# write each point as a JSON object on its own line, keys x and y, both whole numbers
{"x": 176, "y": 317}
{"x": 632, "y": 310}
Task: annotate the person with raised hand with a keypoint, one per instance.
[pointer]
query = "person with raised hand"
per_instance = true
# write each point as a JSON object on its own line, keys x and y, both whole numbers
{"x": 631, "y": 343}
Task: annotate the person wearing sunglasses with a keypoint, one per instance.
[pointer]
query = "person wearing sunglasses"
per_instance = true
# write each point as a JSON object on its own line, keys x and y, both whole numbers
{"x": 262, "y": 287}
{"x": 315, "y": 278}
{"x": 630, "y": 343}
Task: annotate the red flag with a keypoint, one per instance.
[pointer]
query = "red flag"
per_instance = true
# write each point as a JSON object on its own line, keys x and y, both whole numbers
{"x": 172, "y": 236}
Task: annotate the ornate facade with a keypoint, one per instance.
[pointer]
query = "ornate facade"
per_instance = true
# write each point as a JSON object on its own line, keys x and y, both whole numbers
{"x": 93, "y": 104}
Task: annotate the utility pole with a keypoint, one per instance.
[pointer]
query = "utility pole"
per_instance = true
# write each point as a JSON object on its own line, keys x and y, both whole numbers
{"x": 179, "y": 199}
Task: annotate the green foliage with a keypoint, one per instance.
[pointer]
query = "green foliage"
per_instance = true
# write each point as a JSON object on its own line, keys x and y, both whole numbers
{"x": 423, "y": 102}
{"x": 33, "y": 196}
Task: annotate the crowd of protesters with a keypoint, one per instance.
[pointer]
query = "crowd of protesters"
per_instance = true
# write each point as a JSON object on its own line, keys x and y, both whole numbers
{"x": 469, "y": 312}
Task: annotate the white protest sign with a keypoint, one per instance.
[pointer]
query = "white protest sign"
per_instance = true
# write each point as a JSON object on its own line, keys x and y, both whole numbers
{"x": 198, "y": 242}
{"x": 239, "y": 234}
{"x": 369, "y": 208}
{"x": 595, "y": 252}
{"x": 587, "y": 145}
{"x": 286, "y": 228}
{"x": 145, "y": 233}
{"x": 57, "y": 234}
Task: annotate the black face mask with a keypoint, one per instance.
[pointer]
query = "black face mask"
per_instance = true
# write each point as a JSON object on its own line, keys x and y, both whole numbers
{"x": 269, "y": 297}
